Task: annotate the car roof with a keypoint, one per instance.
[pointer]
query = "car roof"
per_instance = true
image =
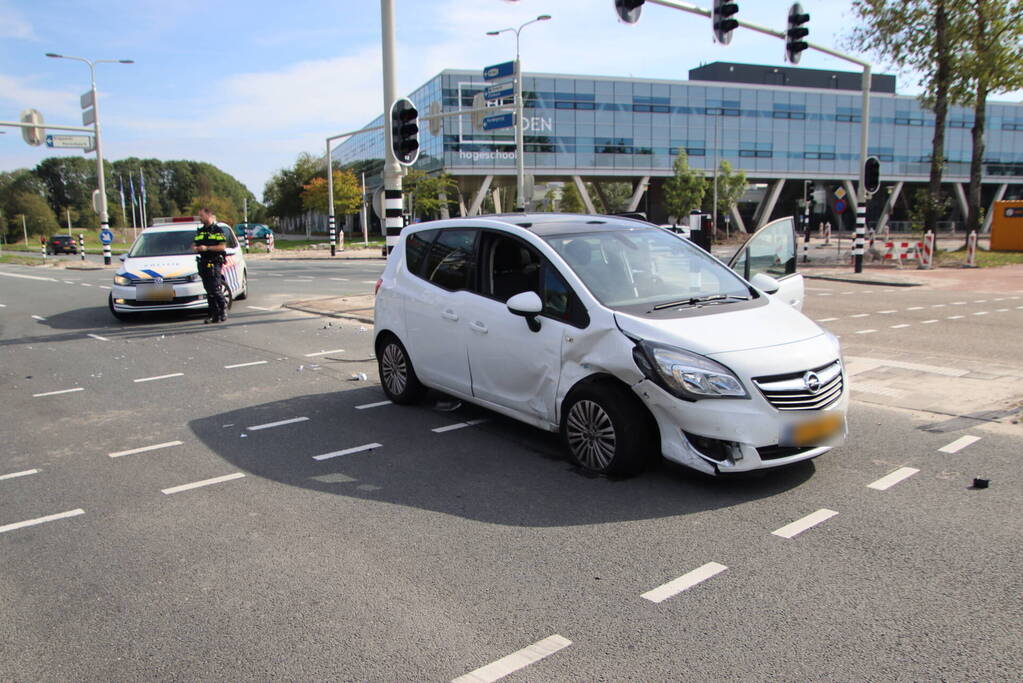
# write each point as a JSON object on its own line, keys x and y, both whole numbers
{"x": 547, "y": 224}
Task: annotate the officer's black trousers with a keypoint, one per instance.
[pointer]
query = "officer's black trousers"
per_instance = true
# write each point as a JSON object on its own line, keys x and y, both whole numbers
{"x": 213, "y": 281}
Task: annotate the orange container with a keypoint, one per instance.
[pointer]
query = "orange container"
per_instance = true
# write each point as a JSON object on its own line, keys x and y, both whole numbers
{"x": 1007, "y": 226}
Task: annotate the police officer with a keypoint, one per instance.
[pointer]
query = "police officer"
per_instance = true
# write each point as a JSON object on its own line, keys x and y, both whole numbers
{"x": 211, "y": 246}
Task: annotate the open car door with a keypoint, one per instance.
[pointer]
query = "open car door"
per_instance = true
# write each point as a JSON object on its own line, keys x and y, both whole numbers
{"x": 772, "y": 250}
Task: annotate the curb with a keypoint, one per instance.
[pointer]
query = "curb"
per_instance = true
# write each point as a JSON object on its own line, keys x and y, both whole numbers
{"x": 882, "y": 283}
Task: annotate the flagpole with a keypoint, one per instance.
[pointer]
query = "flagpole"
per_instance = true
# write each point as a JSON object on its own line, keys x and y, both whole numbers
{"x": 120, "y": 185}
{"x": 142, "y": 180}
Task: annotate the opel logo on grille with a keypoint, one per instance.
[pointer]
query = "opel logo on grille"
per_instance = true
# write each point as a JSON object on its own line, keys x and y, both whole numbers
{"x": 812, "y": 382}
{"x": 158, "y": 280}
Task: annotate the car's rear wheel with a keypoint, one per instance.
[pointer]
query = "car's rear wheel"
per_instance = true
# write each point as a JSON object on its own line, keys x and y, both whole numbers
{"x": 226, "y": 290}
{"x": 245, "y": 287}
{"x": 606, "y": 430}
{"x": 397, "y": 376}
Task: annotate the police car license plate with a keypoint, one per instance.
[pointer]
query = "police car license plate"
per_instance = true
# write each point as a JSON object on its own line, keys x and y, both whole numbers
{"x": 154, "y": 292}
{"x": 815, "y": 432}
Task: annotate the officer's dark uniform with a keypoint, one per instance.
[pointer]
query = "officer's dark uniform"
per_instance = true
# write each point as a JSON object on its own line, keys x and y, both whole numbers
{"x": 211, "y": 264}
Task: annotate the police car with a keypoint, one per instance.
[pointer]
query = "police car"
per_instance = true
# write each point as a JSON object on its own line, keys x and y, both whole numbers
{"x": 160, "y": 272}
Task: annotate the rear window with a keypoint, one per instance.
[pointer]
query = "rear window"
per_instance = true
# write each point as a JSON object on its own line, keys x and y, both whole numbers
{"x": 416, "y": 246}
{"x": 450, "y": 260}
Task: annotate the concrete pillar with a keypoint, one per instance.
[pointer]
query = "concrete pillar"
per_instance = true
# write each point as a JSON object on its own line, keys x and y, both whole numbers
{"x": 443, "y": 197}
{"x": 581, "y": 186}
{"x": 477, "y": 200}
{"x": 964, "y": 205}
{"x": 889, "y": 204}
{"x": 637, "y": 195}
{"x": 496, "y": 194}
{"x": 763, "y": 214}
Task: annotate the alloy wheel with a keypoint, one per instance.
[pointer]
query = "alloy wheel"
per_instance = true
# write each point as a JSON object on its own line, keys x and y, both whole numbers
{"x": 591, "y": 435}
{"x": 395, "y": 369}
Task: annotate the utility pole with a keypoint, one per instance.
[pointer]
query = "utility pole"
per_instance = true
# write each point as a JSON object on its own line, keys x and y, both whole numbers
{"x": 392, "y": 169}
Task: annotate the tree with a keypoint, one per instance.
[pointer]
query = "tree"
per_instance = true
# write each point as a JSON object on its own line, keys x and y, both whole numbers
{"x": 283, "y": 192}
{"x": 614, "y": 197}
{"x": 684, "y": 191}
{"x": 731, "y": 186}
{"x": 425, "y": 192}
{"x": 224, "y": 209}
{"x": 347, "y": 194}
{"x": 920, "y": 35}
{"x": 39, "y": 217}
{"x": 992, "y": 63}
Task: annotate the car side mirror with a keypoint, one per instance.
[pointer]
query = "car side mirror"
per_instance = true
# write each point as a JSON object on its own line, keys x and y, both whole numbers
{"x": 123, "y": 256}
{"x": 528, "y": 305}
{"x": 765, "y": 283}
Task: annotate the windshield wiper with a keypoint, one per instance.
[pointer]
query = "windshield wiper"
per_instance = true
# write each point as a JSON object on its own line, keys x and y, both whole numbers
{"x": 697, "y": 300}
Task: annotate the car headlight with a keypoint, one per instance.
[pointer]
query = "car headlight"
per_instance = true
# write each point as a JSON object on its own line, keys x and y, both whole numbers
{"x": 122, "y": 280}
{"x": 687, "y": 375}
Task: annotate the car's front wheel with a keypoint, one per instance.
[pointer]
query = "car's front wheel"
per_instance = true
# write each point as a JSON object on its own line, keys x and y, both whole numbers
{"x": 606, "y": 430}
{"x": 397, "y": 376}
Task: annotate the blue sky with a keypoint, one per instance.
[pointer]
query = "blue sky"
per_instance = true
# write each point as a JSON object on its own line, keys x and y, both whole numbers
{"x": 247, "y": 86}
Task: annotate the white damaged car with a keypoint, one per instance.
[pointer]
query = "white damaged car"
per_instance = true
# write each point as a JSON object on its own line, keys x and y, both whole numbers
{"x": 628, "y": 339}
{"x": 160, "y": 272}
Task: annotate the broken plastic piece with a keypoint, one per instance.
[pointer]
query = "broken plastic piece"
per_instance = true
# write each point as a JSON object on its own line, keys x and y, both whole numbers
{"x": 980, "y": 483}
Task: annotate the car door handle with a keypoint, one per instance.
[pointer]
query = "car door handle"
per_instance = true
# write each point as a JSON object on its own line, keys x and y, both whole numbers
{"x": 450, "y": 314}
{"x": 477, "y": 326}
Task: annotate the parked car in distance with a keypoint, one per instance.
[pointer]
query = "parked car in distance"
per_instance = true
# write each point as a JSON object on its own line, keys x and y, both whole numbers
{"x": 253, "y": 231}
{"x": 628, "y": 339}
{"x": 61, "y": 244}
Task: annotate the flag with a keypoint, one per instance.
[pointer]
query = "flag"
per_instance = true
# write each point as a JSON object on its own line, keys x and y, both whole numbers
{"x": 142, "y": 181}
{"x": 120, "y": 183}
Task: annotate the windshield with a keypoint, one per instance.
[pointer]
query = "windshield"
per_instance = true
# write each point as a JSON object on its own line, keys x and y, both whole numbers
{"x": 646, "y": 267}
{"x": 173, "y": 243}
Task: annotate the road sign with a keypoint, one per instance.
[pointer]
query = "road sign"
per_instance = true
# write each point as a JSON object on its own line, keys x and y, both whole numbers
{"x": 499, "y": 91}
{"x": 105, "y": 236}
{"x": 435, "y": 124}
{"x": 839, "y": 193}
{"x": 498, "y": 71}
{"x": 499, "y": 121}
{"x": 69, "y": 141}
{"x": 88, "y": 117}
{"x": 87, "y": 100}
{"x": 839, "y": 206}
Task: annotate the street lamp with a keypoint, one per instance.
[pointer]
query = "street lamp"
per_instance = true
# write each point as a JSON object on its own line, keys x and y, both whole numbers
{"x": 104, "y": 219}
{"x": 520, "y": 167}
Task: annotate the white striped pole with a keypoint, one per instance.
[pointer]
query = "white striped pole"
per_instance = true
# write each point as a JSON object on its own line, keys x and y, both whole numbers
{"x": 806, "y": 231}
{"x": 330, "y": 225}
{"x": 81, "y": 244}
{"x": 270, "y": 242}
{"x": 393, "y": 221}
{"x": 245, "y": 240}
{"x": 861, "y": 233}
{"x": 106, "y": 254}
{"x": 330, "y": 201}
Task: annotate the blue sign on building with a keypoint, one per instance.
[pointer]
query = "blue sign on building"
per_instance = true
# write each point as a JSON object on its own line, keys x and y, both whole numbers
{"x": 498, "y": 71}
{"x": 499, "y": 121}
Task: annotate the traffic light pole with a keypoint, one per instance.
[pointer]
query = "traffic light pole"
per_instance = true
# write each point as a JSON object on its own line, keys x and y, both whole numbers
{"x": 392, "y": 169}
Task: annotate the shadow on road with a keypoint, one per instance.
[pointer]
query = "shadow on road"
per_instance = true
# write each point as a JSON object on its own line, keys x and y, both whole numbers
{"x": 500, "y": 471}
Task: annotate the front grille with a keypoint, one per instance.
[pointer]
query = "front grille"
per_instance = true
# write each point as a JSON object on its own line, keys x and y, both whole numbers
{"x": 790, "y": 391}
{"x": 167, "y": 280}
{"x": 775, "y": 452}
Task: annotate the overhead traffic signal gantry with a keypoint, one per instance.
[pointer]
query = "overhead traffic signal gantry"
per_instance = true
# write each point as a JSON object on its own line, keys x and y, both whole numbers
{"x": 722, "y": 21}
{"x": 405, "y": 131}
{"x": 796, "y": 32}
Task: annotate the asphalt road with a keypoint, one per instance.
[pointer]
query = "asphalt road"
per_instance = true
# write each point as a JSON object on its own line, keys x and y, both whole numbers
{"x": 338, "y": 537}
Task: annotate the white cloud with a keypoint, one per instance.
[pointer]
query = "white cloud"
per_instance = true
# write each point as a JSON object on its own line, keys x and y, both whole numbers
{"x": 14, "y": 25}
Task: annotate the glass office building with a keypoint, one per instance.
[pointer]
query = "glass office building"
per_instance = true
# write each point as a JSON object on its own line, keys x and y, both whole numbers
{"x": 777, "y": 124}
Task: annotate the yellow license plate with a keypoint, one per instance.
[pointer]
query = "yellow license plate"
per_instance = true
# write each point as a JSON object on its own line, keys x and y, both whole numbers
{"x": 814, "y": 432}
{"x": 154, "y": 292}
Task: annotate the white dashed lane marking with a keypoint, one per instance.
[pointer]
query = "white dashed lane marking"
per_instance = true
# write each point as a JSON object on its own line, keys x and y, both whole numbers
{"x": 826, "y": 320}
{"x": 887, "y": 312}
{"x": 684, "y": 582}
{"x": 259, "y": 308}
{"x": 460, "y": 425}
{"x": 153, "y": 379}
{"x": 959, "y": 444}
{"x": 954, "y": 317}
{"x": 515, "y": 661}
{"x": 347, "y": 451}
{"x": 281, "y": 423}
{"x": 14, "y": 475}
{"x": 899, "y": 327}
{"x": 62, "y": 391}
{"x": 915, "y": 308}
{"x": 859, "y": 315}
{"x": 97, "y": 337}
{"x": 928, "y": 322}
{"x": 144, "y": 449}
{"x": 890, "y": 480}
{"x": 41, "y": 520}
{"x": 245, "y": 365}
{"x": 801, "y": 525}
{"x": 865, "y": 331}
{"x": 204, "y": 482}
{"x": 324, "y": 353}
{"x": 373, "y": 405}
{"x": 39, "y": 317}
{"x": 981, "y": 313}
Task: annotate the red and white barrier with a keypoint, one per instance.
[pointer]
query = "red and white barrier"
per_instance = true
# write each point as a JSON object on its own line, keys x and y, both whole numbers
{"x": 270, "y": 242}
{"x": 927, "y": 251}
{"x": 900, "y": 252}
{"x": 971, "y": 250}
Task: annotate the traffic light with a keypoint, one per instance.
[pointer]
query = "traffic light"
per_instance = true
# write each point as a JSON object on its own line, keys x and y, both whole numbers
{"x": 722, "y": 21}
{"x": 794, "y": 43}
{"x": 628, "y": 10}
{"x": 872, "y": 174}
{"x": 405, "y": 131}
{"x": 33, "y": 136}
